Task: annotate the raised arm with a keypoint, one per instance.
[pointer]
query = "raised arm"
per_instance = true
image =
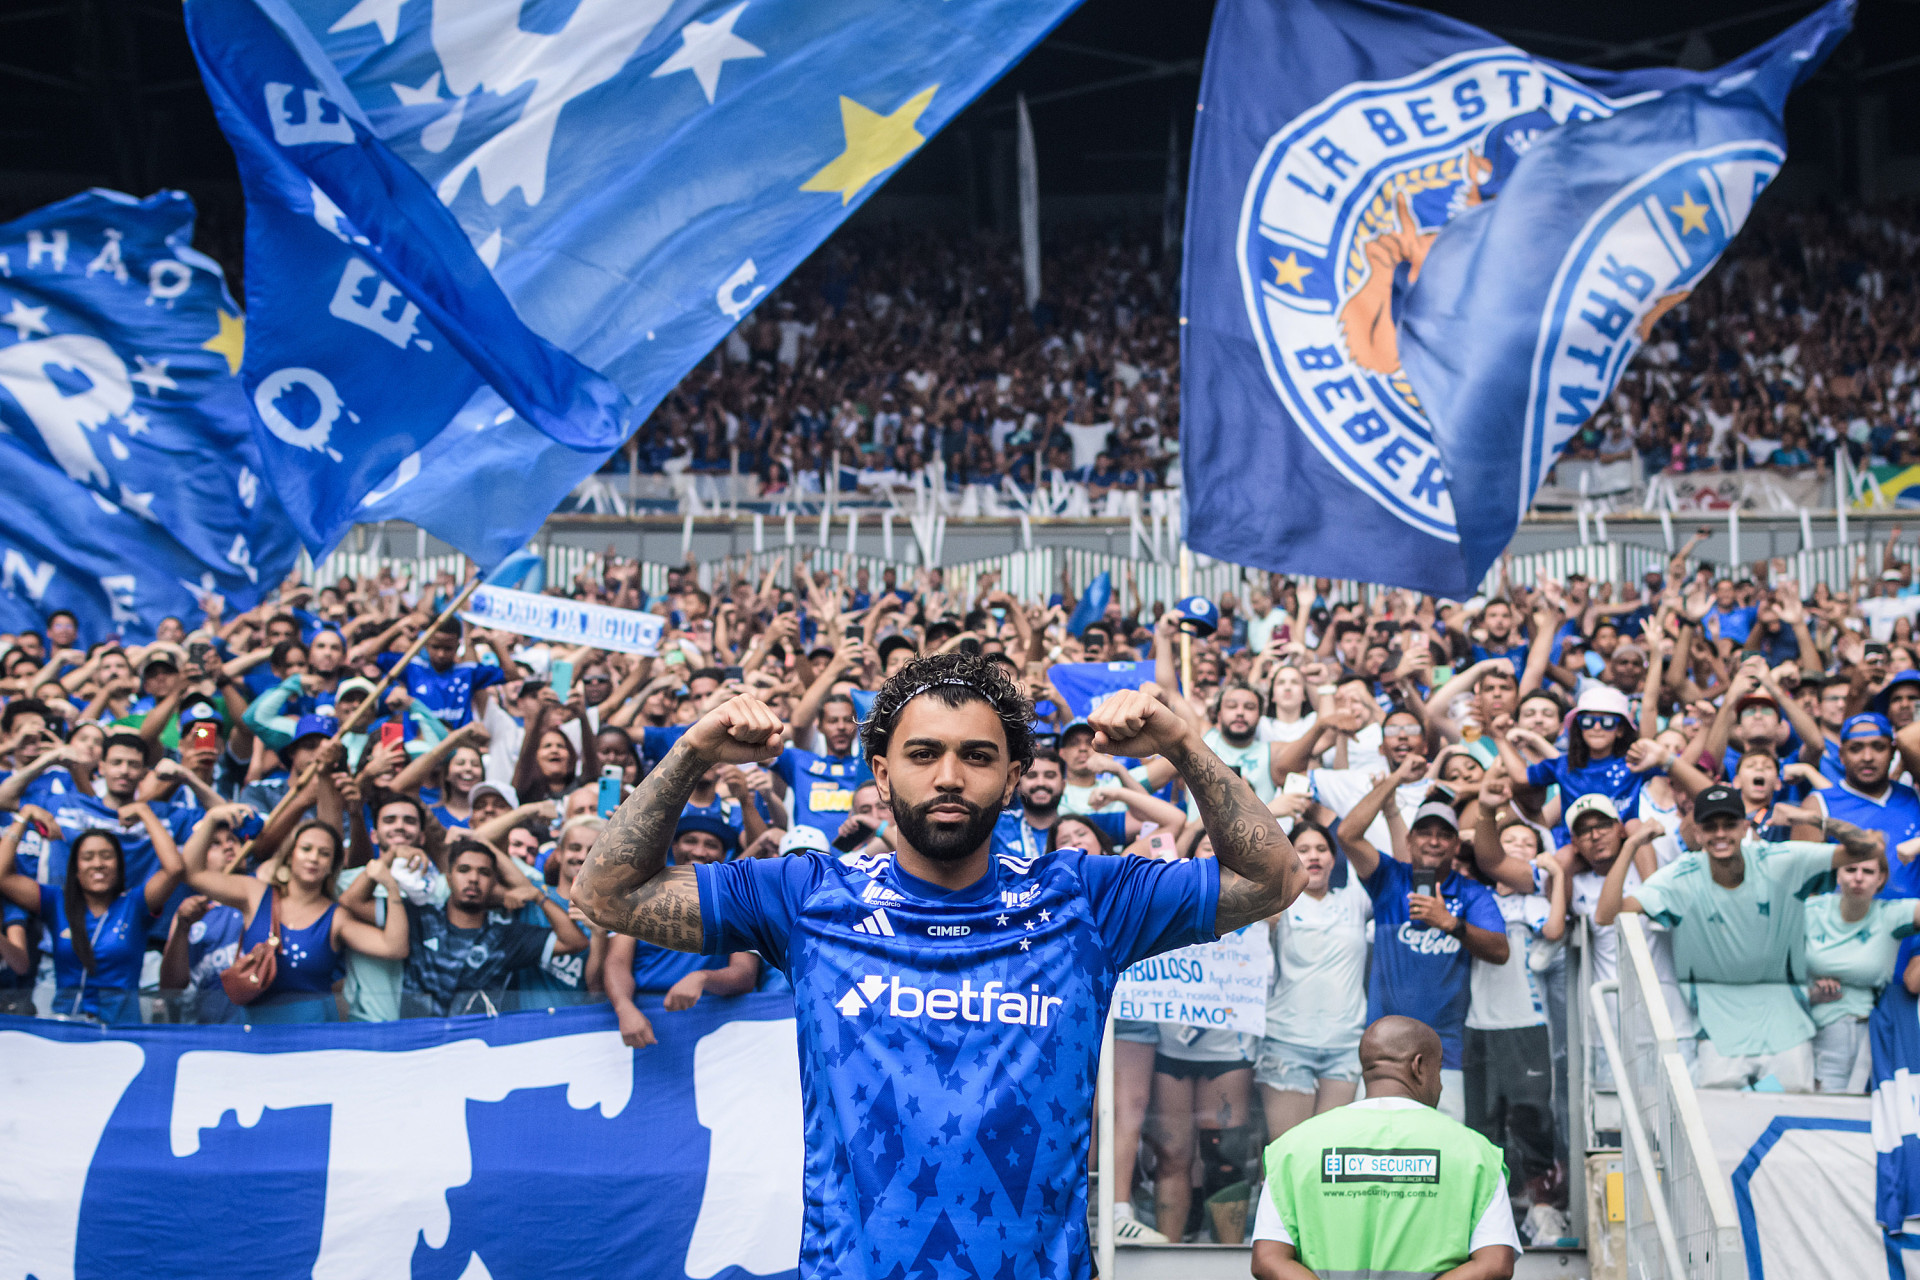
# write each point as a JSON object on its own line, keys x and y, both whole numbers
{"x": 1259, "y": 872}
{"x": 1488, "y": 853}
{"x": 626, "y": 885}
{"x": 1352, "y": 831}
{"x": 160, "y": 884}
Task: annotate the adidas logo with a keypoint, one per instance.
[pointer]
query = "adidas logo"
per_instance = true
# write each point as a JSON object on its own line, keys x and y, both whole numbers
{"x": 876, "y": 924}
{"x": 877, "y": 892}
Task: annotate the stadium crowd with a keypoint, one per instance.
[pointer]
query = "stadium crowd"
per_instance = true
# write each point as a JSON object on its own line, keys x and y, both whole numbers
{"x": 894, "y": 348}
{"x": 191, "y": 837}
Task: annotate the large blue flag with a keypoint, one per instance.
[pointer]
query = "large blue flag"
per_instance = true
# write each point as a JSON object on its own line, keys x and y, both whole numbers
{"x": 133, "y": 484}
{"x": 1893, "y": 1033}
{"x": 485, "y": 238}
{"x": 532, "y": 1144}
{"x": 1419, "y": 258}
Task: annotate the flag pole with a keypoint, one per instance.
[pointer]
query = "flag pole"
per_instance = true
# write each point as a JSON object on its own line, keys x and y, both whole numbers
{"x": 1186, "y": 637}
{"x": 359, "y": 714}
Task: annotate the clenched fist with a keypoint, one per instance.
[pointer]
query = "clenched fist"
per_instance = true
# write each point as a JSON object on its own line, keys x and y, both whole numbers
{"x": 1134, "y": 723}
{"x": 741, "y": 730}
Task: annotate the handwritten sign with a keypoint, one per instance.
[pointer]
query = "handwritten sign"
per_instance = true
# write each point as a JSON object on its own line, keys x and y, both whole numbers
{"x": 1216, "y": 984}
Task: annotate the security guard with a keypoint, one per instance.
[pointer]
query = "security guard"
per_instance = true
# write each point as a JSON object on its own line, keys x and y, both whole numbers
{"x": 1387, "y": 1185}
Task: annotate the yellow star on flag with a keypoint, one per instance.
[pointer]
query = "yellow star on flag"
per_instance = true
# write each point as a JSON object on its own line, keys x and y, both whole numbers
{"x": 230, "y": 342}
{"x": 875, "y": 143}
{"x": 1693, "y": 215}
{"x": 1290, "y": 272}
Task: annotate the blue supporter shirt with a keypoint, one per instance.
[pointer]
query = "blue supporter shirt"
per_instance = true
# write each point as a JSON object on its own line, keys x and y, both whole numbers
{"x": 119, "y": 940}
{"x": 949, "y": 1041}
{"x": 656, "y": 968}
{"x": 1609, "y": 776}
{"x": 820, "y": 788}
{"x": 1736, "y": 624}
{"x": 1516, "y": 657}
{"x": 1015, "y": 837}
{"x": 1418, "y": 971}
{"x": 447, "y": 694}
{"x": 1897, "y": 813}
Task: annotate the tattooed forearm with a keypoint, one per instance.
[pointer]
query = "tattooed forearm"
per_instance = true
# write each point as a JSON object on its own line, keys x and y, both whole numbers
{"x": 1859, "y": 843}
{"x": 1259, "y": 874}
{"x": 626, "y": 885}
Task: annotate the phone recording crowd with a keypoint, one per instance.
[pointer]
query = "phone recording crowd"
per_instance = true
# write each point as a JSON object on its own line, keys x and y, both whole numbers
{"x": 348, "y": 804}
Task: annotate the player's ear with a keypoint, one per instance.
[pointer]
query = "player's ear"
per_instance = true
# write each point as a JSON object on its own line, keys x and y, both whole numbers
{"x": 881, "y": 783}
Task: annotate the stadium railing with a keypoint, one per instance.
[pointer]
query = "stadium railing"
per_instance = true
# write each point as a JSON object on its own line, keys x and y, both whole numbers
{"x": 1680, "y": 1217}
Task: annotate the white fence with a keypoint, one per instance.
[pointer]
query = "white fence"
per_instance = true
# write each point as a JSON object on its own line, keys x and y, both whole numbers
{"x": 1681, "y": 1221}
{"x": 1034, "y": 575}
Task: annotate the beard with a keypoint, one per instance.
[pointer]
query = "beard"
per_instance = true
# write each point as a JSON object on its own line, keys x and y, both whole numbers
{"x": 944, "y": 841}
{"x": 1034, "y": 805}
{"x": 1238, "y": 738}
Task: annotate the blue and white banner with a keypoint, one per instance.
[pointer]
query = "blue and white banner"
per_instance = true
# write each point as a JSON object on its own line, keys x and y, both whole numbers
{"x": 1221, "y": 984}
{"x": 133, "y": 484}
{"x": 486, "y": 238}
{"x": 1418, "y": 259}
{"x": 534, "y": 1144}
{"x": 1894, "y": 1034}
{"x": 566, "y": 621}
{"x": 1085, "y": 685}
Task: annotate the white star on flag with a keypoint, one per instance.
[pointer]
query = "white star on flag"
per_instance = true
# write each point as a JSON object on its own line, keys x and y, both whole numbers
{"x": 152, "y": 375}
{"x": 141, "y": 504}
{"x": 425, "y": 96}
{"x": 26, "y": 321}
{"x": 1026, "y": 944}
{"x": 705, "y": 45}
{"x": 136, "y": 422}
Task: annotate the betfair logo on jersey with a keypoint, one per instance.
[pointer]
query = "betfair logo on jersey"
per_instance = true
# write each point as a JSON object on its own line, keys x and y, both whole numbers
{"x": 1376, "y": 1164}
{"x": 989, "y": 1002}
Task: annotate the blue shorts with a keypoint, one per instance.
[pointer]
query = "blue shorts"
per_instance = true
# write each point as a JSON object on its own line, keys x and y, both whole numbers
{"x": 1293, "y": 1068}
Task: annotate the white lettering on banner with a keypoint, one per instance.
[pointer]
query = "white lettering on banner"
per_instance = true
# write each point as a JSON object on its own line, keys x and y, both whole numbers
{"x": 374, "y": 316}
{"x": 746, "y": 1089}
{"x": 572, "y": 621}
{"x": 109, "y": 259}
{"x": 322, "y": 121}
{"x": 23, "y": 578}
{"x": 266, "y": 399}
{"x": 408, "y": 469}
{"x": 41, "y": 245}
{"x": 122, "y": 590}
{"x": 62, "y": 419}
{"x": 167, "y": 280}
{"x": 729, "y": 297}
{"x": 1216, "y": 984}
{"x": 379, "y": 1207}
{"x": 55, "y": 1101}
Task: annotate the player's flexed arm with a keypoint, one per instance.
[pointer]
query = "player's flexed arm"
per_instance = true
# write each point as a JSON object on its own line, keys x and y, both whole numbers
{"x": 1259, "y": 873}
{"x": 626, "y": 884}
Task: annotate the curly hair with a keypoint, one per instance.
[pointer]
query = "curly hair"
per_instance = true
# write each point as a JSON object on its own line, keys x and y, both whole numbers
{"x": 952, "y": 678}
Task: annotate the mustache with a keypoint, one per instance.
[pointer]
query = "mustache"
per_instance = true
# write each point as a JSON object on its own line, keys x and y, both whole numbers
{"x": 924, "y": 812}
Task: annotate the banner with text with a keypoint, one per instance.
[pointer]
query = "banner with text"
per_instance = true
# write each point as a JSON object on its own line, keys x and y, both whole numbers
{"x": 529, "y": 1144}
{"x": 1219, "y": 984}
{"x": 566, "y": 621}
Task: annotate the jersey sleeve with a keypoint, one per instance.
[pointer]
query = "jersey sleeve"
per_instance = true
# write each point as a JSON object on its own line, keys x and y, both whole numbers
{"x": 1113, "y": 824}
{"x": 1544, "y": 774}
{"x": 1143, "y": 906}
{"x": 1481, "y": 911}
{"x": 752, "y": 904}
{"x": 1658, "y": 898}
{"x": 1896, "y": 916}
{"x": 1388, "y": 874}
{"x": 1802, "y": 867}
{"x": 482, "y": 675}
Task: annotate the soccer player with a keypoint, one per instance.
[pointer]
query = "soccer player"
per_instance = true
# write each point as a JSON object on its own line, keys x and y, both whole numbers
{"x": 950, "y": 1000}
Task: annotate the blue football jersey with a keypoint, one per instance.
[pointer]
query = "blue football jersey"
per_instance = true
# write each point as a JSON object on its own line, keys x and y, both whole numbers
{"x": 1897, "y": 814}
{"x": 820, "y": 788}
{"x": 948, "y": 1043}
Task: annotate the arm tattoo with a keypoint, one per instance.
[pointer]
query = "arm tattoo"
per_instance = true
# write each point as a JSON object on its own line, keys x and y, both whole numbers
{"x": 626, "y": 884}
{"x": 1259, "y": 874}
{"x": 1859, "y": 843}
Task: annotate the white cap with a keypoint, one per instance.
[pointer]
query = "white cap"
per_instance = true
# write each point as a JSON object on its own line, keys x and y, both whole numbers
{"x": 1592, "y": 802}
{"x": 801, "y": 838}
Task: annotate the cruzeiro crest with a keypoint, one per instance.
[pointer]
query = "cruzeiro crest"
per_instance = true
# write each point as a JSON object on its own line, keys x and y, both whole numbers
{"x": 1339, "y": 214}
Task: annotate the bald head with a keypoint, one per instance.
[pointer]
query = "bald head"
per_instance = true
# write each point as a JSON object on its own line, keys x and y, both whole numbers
{"x": 1400, "y": 1057}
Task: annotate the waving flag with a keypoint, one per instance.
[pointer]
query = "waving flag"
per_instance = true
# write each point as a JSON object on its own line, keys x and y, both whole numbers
{"x": 1893, "y": 1033}
{"x": 1419, "y": 258}
{"x": 483, "y": 242}
{"x": 133, "y": 484}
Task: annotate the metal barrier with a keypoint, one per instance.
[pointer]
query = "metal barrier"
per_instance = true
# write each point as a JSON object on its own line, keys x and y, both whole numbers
{"x": 1681, "y": 1222}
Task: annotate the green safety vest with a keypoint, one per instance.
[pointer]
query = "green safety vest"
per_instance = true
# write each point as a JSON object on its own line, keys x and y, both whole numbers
{"x": 1371, "y": 1193}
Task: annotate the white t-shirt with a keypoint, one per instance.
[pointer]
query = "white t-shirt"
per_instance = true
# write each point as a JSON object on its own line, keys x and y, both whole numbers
{"x": 1319, "y": 995}
{"x": 1881, "y": 612}
{"x": 1494, "y": 1227}
{"x": 503, "y": 752}
{"x": 1341, "y": 789}
{"x": 1583, "y": 896}
{"x": 1363, "y": 748}
{"x": 1251, "y": 762}
{"x": 1271, "y": 730}
{"x": 1506, "y": 996}
{"x": 1260, "y": 629}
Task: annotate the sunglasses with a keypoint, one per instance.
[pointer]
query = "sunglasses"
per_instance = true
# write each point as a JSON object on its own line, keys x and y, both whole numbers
{"x": 1595, "y": 720}
{"x": 1402, "y": 731}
